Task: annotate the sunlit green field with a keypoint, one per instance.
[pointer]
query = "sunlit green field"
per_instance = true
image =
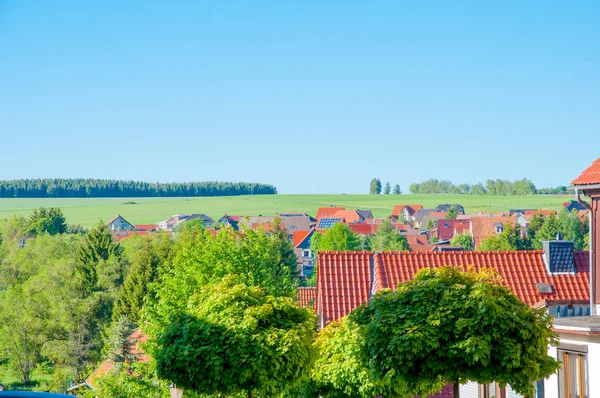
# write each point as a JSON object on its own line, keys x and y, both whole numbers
{"x": 149, "y": 210}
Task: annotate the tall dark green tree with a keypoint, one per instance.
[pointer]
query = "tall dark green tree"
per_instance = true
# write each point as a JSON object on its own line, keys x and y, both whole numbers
{"x": 375, "y": 186}
{"x": 452, "y": 213}
{"x": 119, "y": 345}
{"x": 50, "y": 221}
{"x": 97, "y": 246}
{"x": 397, "y": 190}
{"x": 388, "y": 189}
{"x": 142, "y": 274}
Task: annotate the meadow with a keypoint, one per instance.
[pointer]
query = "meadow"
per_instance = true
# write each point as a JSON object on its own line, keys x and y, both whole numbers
{"x": 150, "y": 210}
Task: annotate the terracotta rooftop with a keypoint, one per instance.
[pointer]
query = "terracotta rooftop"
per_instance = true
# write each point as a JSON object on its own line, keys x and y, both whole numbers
{"x": 364, "y": 228}
{"x": 589, "y": 176}
{"x": 327, "y": 211}
{"x": 307, "y": 296}
{"x": 483, "y": 227}
{"x": 348, "y": 279}
{"x": 299, "y": 237}
{"x": 412, "y": 209}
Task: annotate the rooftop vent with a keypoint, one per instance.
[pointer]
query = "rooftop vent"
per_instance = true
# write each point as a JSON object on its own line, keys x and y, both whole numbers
{"x": 558, "y": 256}
{"x": 545, "y": 288}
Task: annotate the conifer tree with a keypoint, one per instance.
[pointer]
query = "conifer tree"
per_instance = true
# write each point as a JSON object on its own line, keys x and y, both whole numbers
{"x": 96, "y": 246}
{"x": 141, "y": 274}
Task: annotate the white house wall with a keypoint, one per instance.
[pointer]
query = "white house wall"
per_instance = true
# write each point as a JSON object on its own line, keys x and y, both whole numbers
{"x": 593, "y": 357}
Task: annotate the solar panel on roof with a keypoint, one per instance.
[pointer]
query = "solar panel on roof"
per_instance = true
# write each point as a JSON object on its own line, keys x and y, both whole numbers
{"x": 325, "y": 223}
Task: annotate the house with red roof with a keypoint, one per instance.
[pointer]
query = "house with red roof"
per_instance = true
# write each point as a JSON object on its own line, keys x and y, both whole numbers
{"x": 556, "y": 278}
{"x": 304, "y": 255}
{"x": 485, "y": 226}
{"x": 407, "y": 212}
{"x": 447, "y": 229}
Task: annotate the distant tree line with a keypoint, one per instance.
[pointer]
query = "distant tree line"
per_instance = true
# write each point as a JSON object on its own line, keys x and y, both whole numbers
{"x": 101, "y": 188}
{"x": 499, "y": 187}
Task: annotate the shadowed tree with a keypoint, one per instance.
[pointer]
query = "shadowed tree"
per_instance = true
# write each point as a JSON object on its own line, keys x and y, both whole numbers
{"x": 448, "y": 327}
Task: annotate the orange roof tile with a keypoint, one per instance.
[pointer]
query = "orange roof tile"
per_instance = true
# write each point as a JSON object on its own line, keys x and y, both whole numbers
{"x": 483, "y": 227}
{"x": 589, "y": 176}
{"x": 299, "y": 237}
{"x": 345, "y": 279}
{"x": 327, "y": 211}
{"x": 364, "y": 228}
{"x": 127, "y": 234}
{"x": 307, "y": 296}
{"x": 412, "y": 209}
{"x": 145, "y": 227}
{"x": 348, "y": 216}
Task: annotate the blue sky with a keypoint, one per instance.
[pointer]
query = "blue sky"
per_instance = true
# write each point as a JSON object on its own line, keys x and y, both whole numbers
{"x": 307, "y": 95}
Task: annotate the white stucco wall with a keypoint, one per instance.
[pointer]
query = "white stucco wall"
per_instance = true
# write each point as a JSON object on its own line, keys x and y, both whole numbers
{"x": 593, "y": 357}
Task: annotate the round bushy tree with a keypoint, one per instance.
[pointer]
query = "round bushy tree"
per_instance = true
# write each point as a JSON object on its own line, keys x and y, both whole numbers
{"x": 448, "y": 327}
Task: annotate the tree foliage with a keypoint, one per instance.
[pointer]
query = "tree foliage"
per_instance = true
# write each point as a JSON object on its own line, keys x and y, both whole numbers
{"x": 143, "y": 272}
{"x": 337, "y": 238}
{"x": 387, "y": 189}
{"x": 464, "y": 240}
{"x": 232, "y": 338}
{"x": 509, "y": 239}
{"x": 50, "y": 221}
{"x": 452, "y": 213}
{"x": 102, "y": 188}
{"x": 397, "y": 190}
{"x": 96, "y": 248}
{"x": 386, "y": 238}
{"x": 447, "y": 326}
{"x": 521, "y": 187}
{"x": 340, "y": 370}
{"x": 375, "y": 186}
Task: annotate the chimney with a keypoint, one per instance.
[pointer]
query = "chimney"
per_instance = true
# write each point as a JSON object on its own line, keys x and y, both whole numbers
{"x": 559, "y": 257}
{"x": 588, "y": 183}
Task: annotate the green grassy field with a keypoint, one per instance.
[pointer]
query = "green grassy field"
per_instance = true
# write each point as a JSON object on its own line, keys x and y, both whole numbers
{"x": 149, "y": 210}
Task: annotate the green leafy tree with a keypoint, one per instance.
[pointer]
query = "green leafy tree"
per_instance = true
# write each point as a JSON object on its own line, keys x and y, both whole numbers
{"x": 509, "y": 239}
{"x": 464, "y": 240}
{"x": 340, "y": 370}
{"x": 50, "y": 221}
{"x": 375, "y": 187}
{"x": 386, "y": 238}
{"x": 449, "y": 327}
{"x": 236, "y": 339}
{"x": 338, "y": 238}
{"x": 431, "y": 223}
{"x": 387, "y": 189}
{"x": 397, "y": 190}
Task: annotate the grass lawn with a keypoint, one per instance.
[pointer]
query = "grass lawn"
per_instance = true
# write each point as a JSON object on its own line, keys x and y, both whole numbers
{"x": 149, "y": 210}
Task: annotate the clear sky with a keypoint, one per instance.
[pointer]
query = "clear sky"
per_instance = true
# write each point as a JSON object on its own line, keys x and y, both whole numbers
{"x": 307, "y": 95}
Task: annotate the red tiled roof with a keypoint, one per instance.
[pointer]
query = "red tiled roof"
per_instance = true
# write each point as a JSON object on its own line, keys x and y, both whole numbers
{"x": 299, "y": 237}
{"x": 127, "y": 234}
{"x": 345, "y": 279}
{"x": 416, "y": 241}
{"x": 589, "y": 176}
{"x": 364, "y": 228}
{"x": 438, "y": 214}
{"x": 145, "y": 227}
{"x": 412, "y": 209}
{"x": 348, "y": 216}
{"x": 343, "y": 282}
{"x": 327, "y": 211}
{"x": 483, "y": 227}
{"x": 307, "y": 296}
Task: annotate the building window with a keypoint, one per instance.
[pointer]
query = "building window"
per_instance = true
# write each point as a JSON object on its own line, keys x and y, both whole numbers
{"x": 306, "y": 253}
{"x": 572, "y": 375}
